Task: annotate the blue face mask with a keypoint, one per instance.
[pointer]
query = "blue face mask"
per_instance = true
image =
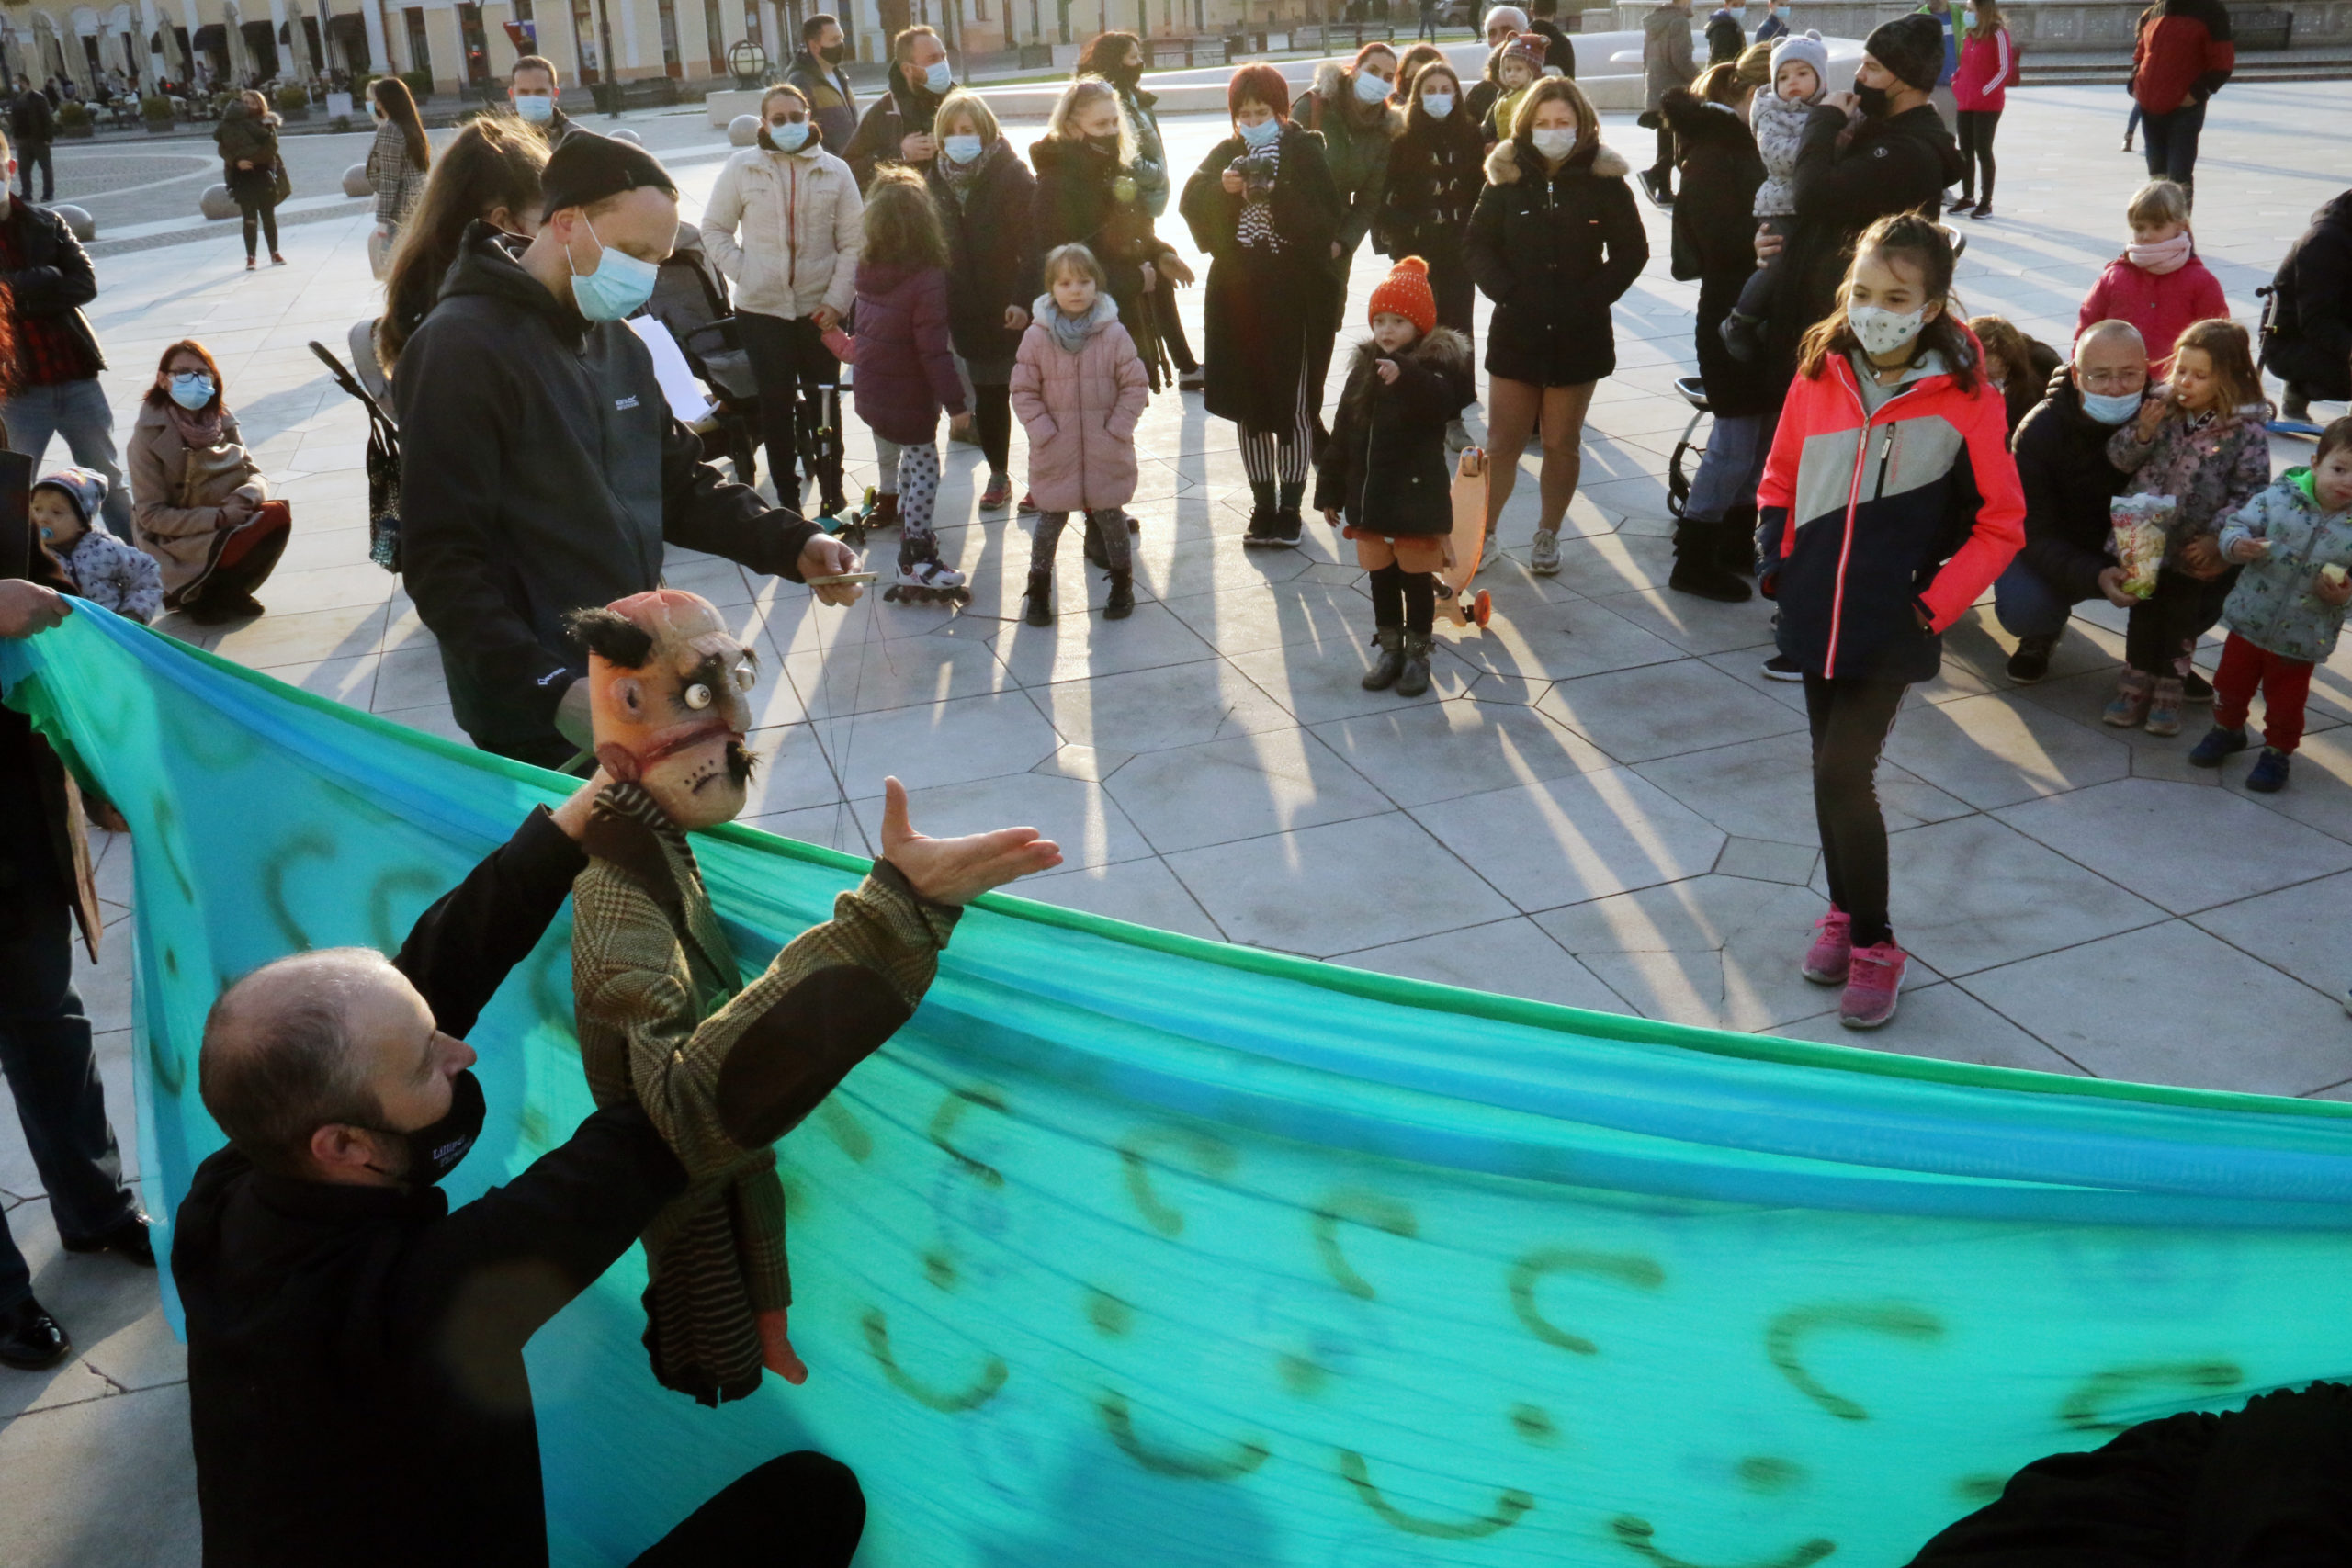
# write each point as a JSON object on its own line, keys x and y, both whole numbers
{"x": 961, "y": 148}
{"x": 1262, "y": 134}
{"x": 2112, "y": 409}
{"x": 538, "y": 108}
{"x": 1439, "y": 105}
{"x": 1370, "y": 88}
{"x": 191, "y": 389}
{"x": 620, "y": 283}
{"x": 789, "y": 137}
{"x": 937, "y": 77}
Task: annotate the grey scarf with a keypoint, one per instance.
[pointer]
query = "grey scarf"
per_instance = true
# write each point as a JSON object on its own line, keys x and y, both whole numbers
{"x": 1072, "y": 334}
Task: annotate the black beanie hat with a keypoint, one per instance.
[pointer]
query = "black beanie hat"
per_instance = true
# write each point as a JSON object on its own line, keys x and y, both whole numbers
{"x": 1912, "y": 47}
{"x": 586, "y": 167}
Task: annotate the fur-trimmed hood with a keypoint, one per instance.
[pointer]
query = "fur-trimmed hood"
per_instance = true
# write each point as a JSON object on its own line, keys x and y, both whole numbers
{"x": 1442, "y": 349}
{"x": 1502, "y": 163}
{"x": 1337, "y": 95}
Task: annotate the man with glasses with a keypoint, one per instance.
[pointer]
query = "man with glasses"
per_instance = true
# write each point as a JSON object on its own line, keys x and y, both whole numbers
{"x": 2061, "y": 450}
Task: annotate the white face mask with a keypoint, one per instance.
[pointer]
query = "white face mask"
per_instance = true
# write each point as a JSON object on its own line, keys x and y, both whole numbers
{"x": 1555, "y": 143}
{"x": 1439, "y": 105}
{"x": 1882, "y": 331}
{"x": 1370, "y": 88}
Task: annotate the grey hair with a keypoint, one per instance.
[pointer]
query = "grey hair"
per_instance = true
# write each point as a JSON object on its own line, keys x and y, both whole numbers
{"x": 273, "y": 1073}
{"x": 1519, "y": 19}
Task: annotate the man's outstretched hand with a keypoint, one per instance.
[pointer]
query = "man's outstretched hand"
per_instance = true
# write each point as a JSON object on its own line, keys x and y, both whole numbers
{"x": 27, "y": 608}
{"x": 957, "y": 870}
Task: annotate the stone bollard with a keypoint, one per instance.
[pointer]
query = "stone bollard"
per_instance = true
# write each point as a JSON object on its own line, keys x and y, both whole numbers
{"x": 743, "y": 130}
{"x": 625, "y": 134}
{"x": 217, "y": 203}
{"x": 84, "y": 227}
{"x": 355, "y": 180}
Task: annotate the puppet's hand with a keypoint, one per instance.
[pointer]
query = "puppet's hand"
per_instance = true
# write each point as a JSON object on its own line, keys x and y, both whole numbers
{"x": 777, "y": 1351}
{"x": 957, "y": 870}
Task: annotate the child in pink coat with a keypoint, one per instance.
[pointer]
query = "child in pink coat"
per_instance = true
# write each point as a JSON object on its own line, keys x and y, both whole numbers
{"x": 1077, "y": 389}
{"x": 2157, "y": 284}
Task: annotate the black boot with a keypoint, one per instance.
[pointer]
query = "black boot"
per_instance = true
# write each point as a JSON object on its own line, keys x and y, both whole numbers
{"x": 1737, "y": 549}
{"x": 1413, "y": 676}
{"x": 1122, "y": 603}
{"x": 1289, "y": 526}
{"x": 1390, "y": 664}
{"x": 2295, "y": 407}
{"x": 1038, "y": 609}
{"x": 1743, "y": 336}
{"x": 1262, "y": 515}
{"x": 1698, "y": 564}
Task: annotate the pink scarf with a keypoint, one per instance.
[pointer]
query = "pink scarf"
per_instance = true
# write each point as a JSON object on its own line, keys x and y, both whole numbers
{"x": 199, "y": 431}
{"x": 2165, "y": 255}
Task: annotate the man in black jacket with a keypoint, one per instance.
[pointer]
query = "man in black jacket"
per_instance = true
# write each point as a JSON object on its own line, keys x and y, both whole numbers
{"x": 356, "y": 1377}
{"x": 32, "y": 126}
{"x": 2308, "y": 344}
{"x": 817, "y": 71}
{"x": 541, "y": 470}
{"x": 897, "y": 130}
{"x": 2061, "y": 460}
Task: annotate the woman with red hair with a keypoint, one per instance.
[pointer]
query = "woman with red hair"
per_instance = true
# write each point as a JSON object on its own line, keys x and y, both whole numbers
{"x": 1263, "y": 207}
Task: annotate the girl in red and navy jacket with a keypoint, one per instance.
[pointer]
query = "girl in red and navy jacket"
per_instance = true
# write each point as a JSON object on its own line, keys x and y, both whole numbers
{"x": 1888, "y": 504}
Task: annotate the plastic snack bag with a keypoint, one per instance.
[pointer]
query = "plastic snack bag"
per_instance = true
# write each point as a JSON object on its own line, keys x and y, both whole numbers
{"x": 2140, "y": 534}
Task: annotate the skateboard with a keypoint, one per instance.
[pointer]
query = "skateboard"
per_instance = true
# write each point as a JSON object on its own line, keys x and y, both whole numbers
{"x": 1454, "y": 599}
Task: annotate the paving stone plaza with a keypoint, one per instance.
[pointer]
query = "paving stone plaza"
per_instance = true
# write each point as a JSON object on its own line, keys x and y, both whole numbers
{"x": 1599, "y": 802}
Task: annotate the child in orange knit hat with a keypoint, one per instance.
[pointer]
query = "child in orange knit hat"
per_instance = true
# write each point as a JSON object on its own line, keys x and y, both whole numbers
{"x": 1384, "y": 470}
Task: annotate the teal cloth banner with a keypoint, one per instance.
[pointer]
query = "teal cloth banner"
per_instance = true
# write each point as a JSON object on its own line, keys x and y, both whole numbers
{"x": 1135, "y": 1249}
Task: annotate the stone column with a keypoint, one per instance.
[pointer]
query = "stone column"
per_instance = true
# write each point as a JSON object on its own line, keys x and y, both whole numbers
{"x": 371, "y": 15}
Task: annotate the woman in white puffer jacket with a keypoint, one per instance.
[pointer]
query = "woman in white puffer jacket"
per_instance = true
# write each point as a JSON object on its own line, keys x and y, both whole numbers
{"x": 785, "y": 224}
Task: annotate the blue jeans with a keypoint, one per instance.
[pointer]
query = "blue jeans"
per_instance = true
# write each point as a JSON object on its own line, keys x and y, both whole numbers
{"x": 2172, "y": 144}
{"x": 78, "y": 411}
{"x": 1730, "y": 468}
{"x": 2026, "y": 604}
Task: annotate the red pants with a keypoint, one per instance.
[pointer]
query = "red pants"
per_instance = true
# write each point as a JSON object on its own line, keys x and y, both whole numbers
{"x": 2285, "y": 683}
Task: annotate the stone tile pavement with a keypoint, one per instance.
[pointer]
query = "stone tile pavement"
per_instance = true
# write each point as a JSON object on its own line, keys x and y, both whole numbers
{"x": 1599, "y": 802}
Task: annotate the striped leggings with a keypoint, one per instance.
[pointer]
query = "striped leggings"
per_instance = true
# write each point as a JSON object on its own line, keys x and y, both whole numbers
{"x": 1268, "y": 455}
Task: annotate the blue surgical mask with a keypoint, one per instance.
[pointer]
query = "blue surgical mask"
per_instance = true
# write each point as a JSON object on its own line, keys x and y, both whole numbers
{"x": 1370, "y": 88}
{"x": 2111, "y": 408}
{"x": 536, "y": 108}
{"x": 620, "y": 283}
{"x": 191, "y": 389}
{"x": 961, "y": 148}
{"x": 1439, "y": 105}
{"x": 937, "y": 77}
{"x": 1261, "y": 134}
{"x": 789, "y": 137}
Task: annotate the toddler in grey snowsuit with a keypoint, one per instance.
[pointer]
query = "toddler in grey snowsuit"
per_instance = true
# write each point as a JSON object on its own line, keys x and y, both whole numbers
{"x": 1778, "y": 115}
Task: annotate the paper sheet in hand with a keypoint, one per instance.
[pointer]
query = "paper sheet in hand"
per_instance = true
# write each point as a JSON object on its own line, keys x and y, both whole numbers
{"x": 679, "y": 388}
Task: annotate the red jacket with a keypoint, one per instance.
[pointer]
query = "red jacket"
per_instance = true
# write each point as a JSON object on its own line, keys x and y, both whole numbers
{"x": 1866, "y": 517}
{"x": 1982, "y": 82}
{"x": 2183, "y": 53}
{"x": 2161, "y": 305}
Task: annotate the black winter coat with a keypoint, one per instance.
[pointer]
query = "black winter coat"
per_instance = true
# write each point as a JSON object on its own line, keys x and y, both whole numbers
{"x": 1268, "y": 317}
{"x": 542, "y": 473}
{"x": 1085, "y": 198}
{"x": 2312, "y": 300}
{"x": 1554, "y": 255}
{"x": 244, "y": 137}
{"x": 354, "y": 1354}
{"x": 1385, "y": 469}
{"x": 53, "y": 275}
{"x": 896, "y": 115}
{"x": 1724, "y": 39}
{"x": 991, "y": 250}
{"x": 2062, "y": 462}
{"x": 1899, "y": 165}
{"x": 31, "y": 122}
{"x": 1715, "y": 241}
{"x": 1436, "y": 169}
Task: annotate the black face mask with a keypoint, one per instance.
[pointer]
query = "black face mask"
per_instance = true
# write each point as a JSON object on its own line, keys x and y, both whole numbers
{"x": 1874, "y": 101}
{"x": 832, "y": 56}
{"x": 434, "y": 1151}
{"x": 1126, "y": 77}
{"x": 1106, "y": 145}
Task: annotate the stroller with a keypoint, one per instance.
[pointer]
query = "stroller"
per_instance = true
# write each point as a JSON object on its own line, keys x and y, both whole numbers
{"x": 691, "y": 299}
{"x": 383, "y": 461}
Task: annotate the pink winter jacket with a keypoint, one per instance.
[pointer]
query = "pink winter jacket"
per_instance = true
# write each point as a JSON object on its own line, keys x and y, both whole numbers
{"x": 2161, "y": 305}
{"x": 1081, "y": 411}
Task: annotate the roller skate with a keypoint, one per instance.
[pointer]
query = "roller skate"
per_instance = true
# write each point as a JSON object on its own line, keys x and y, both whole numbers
{"x": 927, "y": 582}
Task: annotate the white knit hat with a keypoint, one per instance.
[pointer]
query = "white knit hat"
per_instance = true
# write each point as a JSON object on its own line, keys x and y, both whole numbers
{"x": 1804, "y": 48}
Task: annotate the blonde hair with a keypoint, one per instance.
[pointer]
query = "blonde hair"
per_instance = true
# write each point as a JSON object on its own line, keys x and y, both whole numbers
{"x": 1061, "y": 125}
{"x": 1074, "y": 258}
{"x": 1562, "y": 89}
{"x": 964, "y": 101}
{"x": 901, "y": 224}
{"x": 2158, "y": 201}
{"x": 2226, "y": 346}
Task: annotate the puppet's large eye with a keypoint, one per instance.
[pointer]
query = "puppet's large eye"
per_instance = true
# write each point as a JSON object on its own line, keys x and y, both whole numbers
{"x": 747, "y": 675}
{"x": 697, "y": 696}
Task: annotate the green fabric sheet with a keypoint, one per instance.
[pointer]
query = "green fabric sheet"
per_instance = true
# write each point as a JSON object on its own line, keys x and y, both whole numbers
{"x": 1140, "y": 1250}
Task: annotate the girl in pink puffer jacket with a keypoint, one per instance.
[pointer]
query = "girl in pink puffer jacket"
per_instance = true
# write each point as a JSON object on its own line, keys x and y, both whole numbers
{"x": 1077, "y": 389}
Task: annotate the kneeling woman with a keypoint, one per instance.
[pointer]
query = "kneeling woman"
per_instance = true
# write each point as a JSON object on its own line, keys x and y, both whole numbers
{"x": 198, "y": 504}
{"x": 1263, "y": 207}
{"x": 1888, "y": 504}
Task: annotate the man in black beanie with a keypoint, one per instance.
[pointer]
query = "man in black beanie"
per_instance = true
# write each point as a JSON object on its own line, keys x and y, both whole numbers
{"x": 541, "y": 469}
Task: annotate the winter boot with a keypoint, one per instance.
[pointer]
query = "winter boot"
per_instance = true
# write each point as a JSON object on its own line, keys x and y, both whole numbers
{"x": 1390, "y": 663}
{"x": 1122, "y": 603}
{"x": 2132, "y": 689}
{"x": 2218, "y": 744}
{"x": 1736, "y": 546}
{"x": 1413, "y": 679}
{"x": 1289, "y": 526}
{"x": 2164, "y": 706}
{"x": 1743, "y": 336}
{"x": 884, "y": 513}
{"x": 1038, "y": 602}
{"x": 1698, "y": 565}
{"x": 2268, "y": 774}
{"x": 1261, "y": 516}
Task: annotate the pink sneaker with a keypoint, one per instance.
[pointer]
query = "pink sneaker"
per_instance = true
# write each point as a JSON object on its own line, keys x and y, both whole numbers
{"x": 1872, "y": 984}
{"x": 1833, "y": 945}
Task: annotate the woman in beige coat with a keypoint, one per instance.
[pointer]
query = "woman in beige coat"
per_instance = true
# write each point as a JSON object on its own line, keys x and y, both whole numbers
{"x": 199, "y": 505}
{"x": 784, "y": 224}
